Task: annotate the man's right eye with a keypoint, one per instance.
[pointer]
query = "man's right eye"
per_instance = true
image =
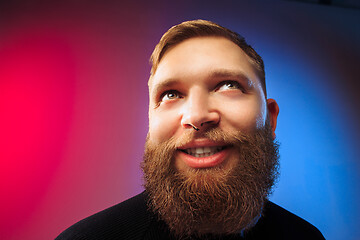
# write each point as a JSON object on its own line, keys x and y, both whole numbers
{"x": 169, "y": 95}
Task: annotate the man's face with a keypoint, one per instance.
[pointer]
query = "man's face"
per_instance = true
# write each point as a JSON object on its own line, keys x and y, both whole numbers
{"x": 207, "y": 82}
{"x": 214, "y": 180}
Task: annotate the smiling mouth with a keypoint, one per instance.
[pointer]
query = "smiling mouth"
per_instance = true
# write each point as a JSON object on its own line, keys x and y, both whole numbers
{"x": 203, "y": 151}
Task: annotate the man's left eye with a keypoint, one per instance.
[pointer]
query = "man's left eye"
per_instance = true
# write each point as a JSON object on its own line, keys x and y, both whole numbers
{"x": 229, "y": 85}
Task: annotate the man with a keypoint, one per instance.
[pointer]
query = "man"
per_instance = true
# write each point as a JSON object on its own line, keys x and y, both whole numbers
{"x": 210, "y": 159}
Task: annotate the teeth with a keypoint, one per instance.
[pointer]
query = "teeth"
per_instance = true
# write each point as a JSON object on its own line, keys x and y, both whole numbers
{"x": 199, "y": 150}
{"x": 207, "y": 149}
{"x": 203, "y": 151}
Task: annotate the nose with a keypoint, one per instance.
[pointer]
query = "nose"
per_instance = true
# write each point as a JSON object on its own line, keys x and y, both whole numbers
{"x": 198, "y": 113}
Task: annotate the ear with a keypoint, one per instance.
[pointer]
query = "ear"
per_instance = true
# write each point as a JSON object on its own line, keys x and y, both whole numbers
{"x": 273, "y": 112}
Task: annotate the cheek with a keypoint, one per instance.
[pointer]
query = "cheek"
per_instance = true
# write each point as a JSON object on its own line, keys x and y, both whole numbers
{"x": 162, "y": 126}
{"x": 245, "y": 115}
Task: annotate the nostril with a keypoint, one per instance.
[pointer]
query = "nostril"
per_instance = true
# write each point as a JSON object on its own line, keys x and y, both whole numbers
{"x": 208, "y": 122}
{"x": 196, "y": 128}
{"x": 199, "y": 119}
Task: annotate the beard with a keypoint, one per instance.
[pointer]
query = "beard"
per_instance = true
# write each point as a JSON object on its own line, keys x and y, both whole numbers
{"x": 217, "y": 200}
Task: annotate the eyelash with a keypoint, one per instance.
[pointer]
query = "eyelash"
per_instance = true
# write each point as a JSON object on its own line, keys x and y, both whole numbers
{"x": 236, "y": 84}
{"x": 169, "y": 92}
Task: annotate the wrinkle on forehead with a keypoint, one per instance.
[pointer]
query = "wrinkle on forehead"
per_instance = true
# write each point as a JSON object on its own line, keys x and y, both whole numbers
{"x": 196, "y": 46}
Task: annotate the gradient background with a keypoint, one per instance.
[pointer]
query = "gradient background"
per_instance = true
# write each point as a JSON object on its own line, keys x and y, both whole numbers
{"x": 73, "y": 105}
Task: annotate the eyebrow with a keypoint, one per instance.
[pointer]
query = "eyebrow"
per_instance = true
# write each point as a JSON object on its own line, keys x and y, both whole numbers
{"x": 232, "y": 75}
{"x": 168, "y": 83}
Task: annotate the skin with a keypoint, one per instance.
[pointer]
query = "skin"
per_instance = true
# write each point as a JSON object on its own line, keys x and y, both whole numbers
{"x": 207, "y": 82}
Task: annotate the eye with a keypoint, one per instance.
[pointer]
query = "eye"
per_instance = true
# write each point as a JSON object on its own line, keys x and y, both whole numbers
{"x": 169, "y": 95}
{"x": 229, "y": 85}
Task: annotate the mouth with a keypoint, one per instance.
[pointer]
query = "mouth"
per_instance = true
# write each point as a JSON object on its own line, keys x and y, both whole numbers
{"x": 203, "y": 154}
{"x": 200, "y": 152}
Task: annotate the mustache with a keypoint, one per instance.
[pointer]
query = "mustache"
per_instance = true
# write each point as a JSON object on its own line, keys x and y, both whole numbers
{"x": 213, "y": 134}
{"x": 238, "y": 139}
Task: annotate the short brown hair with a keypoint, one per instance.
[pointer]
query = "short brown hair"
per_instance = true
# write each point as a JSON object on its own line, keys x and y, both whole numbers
{"x": 203, "y": 28}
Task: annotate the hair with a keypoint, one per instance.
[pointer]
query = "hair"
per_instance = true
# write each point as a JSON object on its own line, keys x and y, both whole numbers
{"x": 204, "y": 28}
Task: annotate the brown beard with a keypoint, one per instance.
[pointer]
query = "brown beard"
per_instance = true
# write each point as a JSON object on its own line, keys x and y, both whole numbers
{"x": 212, "y": 200}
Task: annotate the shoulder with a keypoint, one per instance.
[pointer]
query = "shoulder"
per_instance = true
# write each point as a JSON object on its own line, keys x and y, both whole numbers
{"x": 282, "y": 224}
{"x": 126, "y": 220}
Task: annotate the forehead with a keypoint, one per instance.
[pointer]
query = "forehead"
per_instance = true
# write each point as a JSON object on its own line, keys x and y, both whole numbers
{"x": 198, "y": 57}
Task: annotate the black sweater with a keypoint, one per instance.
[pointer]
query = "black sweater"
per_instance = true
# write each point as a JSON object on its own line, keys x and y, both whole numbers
{"x": 132, "y": 219}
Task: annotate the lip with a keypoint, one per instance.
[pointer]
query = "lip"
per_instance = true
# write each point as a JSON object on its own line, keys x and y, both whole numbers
{"x": 203, "y": 162}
